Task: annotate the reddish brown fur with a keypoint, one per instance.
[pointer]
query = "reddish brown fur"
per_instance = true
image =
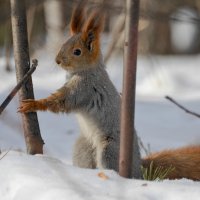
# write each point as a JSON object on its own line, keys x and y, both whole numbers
{"x": 94, "y": 24}
{"x": 49, "y": 103}
{"x": 186, "y": 162}
{"x": 92, "y": 28}
{"x": 56, "y": 102}
{"x": 78, "y": 17}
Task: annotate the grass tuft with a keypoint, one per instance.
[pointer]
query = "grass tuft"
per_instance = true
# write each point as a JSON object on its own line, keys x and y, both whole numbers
{"x": 157, "y": 174}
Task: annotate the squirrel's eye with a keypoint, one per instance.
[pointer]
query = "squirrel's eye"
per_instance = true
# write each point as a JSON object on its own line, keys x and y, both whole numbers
{"x": 77, "y": 52}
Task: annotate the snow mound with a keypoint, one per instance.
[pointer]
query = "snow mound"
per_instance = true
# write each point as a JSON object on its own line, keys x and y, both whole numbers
{"x": 44, "y": 178}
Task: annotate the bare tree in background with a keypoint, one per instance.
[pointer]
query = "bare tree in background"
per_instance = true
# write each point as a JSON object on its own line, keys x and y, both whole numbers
{"x": 53, "y": 19}
{"x": 8, "y": 45}
{"x": 34, "y": 142}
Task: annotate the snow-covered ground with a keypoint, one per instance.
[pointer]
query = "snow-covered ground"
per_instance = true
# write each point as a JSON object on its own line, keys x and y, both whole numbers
{"x": 45, "y": 178}
{"x": 159, "y": 123}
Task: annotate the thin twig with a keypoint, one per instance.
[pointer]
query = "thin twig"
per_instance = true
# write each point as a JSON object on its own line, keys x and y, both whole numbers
{"x": 5, "y": 154}
{"x": 146, "y": 150}
{"x": 183, "y": 108}
{"x": 18, "y": 86}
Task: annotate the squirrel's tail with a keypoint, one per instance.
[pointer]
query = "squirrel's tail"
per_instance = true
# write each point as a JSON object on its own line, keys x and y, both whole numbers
{"x": 184, "y": 162}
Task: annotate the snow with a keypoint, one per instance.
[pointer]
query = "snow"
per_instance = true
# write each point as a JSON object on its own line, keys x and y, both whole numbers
{"x": 52, "y": 179}
{"x": 158, "y": 122}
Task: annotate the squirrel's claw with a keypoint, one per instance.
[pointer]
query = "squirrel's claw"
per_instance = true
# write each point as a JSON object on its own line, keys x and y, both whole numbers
{"x": 27, "y": 106}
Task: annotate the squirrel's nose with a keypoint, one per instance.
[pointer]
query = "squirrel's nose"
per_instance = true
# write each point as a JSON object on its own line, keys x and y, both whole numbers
{"x": 58, "y": 61}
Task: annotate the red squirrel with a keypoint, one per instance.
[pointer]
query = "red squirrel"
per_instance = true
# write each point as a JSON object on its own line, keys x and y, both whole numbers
{"x": 91, "y": 95}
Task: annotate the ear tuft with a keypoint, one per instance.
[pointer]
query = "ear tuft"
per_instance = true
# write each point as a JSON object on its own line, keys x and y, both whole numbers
{"x": 78, "y": 17}
{"x": 93, "y": 27}
{"x": 95, "y": 23}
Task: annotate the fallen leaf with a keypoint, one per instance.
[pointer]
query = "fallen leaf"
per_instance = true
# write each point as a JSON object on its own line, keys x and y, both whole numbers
{"x": 102, "y": 176}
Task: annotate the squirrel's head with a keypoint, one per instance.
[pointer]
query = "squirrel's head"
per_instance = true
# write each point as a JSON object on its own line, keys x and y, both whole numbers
{"x": 82, "y": 50}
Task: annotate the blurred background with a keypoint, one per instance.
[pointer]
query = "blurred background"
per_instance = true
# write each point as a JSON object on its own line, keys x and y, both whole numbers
{"x": 166, "y": 27}
{"x": 168, "y": 64}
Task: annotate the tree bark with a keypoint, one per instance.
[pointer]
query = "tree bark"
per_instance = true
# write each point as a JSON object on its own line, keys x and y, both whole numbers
{"x": 34, "y": 142}
{"x": 128, "y": 93}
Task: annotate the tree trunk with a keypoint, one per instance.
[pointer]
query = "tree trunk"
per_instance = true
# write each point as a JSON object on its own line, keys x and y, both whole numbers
{"x": 128, "y": 93}
{"x": 34, "y": 142}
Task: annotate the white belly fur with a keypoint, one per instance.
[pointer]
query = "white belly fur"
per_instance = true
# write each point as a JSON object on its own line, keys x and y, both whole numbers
{"x": 90, "y": 130}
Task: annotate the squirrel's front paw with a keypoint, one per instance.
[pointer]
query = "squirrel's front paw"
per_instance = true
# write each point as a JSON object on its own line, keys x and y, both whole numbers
{"x": 28, "y": 105}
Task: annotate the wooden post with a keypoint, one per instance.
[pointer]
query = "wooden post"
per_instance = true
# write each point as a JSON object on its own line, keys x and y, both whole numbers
{"x": 128, "y": 93}
{"x": 34, "y": 142}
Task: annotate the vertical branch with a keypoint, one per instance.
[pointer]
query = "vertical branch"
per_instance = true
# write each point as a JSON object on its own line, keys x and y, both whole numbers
{"x": 128, "y": 94}
{"x": 34, "y": 142}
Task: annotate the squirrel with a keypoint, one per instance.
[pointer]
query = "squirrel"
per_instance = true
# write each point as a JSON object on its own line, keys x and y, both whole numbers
{"x": 91, "y": 95}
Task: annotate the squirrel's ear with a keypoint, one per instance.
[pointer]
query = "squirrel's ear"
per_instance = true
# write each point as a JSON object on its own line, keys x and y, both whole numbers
{"x": 93, "y": 27}
{"x": 78, "y": 17}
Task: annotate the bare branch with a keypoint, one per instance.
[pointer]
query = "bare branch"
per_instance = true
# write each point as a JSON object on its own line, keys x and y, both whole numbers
{"x": 5, "y": 154}
{"x": 182, "y": 107}
{"x": 18, "y": 86}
